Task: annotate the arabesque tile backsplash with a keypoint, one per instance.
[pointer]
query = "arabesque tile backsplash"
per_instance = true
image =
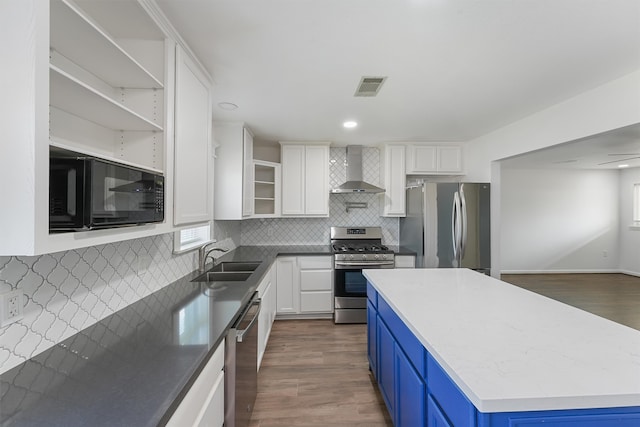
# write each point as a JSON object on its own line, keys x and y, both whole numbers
{"x": 315, "y": 231}
{"x": 66, "y": 292}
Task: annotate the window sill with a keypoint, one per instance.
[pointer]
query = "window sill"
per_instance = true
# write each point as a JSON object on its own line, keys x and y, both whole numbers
{"x": 634, "y": 227}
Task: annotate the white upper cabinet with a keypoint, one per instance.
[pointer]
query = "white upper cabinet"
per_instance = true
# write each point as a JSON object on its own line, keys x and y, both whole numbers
{"x": 94, "y": 77}
{"x": 193, "y": 181}
{"x": 247, "y": 174}
{"x": 305, "y": 179}
{"x": 234, "y": 184}
{"x": 392, "y": 163}
{"x": 316, "y": 180}
{"x": 434, "y": 159}
{"x": 293, "y": 157}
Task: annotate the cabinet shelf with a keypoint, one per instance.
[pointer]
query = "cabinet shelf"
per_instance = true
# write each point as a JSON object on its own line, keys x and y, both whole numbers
{"x": 79, "y": 38}
{"x": 56, "y": 143}
{"x": 266, "y": 195}
{"x": 75, "y": 97}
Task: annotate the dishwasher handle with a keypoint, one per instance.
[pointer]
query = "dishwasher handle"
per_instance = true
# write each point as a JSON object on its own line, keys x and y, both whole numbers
{"x": 240, "y": 333}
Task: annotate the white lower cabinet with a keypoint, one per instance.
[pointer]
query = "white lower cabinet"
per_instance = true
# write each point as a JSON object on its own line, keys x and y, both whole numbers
{"x": 267, "y": 292}
{"x": 203, "y": 405}
{"x": 288, "y": 285}
{"x": 316, "y": 284}
{"x": 304, "y": 285}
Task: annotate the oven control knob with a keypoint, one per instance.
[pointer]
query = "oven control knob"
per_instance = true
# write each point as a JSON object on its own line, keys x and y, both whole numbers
{"x": 364, "y": 257}
{"x": 352, "y": 257}
{"x": 377, "y": 256}
{"x": 384, "y": 256}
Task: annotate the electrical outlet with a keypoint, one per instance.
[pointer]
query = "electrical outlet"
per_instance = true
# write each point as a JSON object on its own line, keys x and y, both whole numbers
{"x": 11, "y": 307}
{"x": 144, "y": 261}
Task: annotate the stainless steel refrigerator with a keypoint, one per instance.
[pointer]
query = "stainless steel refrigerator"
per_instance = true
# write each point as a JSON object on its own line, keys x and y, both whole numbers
{"x": 448, "y": 225}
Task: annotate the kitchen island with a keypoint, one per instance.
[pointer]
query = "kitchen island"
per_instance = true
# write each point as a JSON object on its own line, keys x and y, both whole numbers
{"x": 453, "y": 347}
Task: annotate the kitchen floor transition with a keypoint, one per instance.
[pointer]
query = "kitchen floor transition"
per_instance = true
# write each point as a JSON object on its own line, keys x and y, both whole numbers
{"x": 612, "y": 296}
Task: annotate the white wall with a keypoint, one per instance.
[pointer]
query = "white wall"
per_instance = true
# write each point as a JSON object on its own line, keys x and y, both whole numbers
{"x": 607, "y": 107}
{"x": 611, "y": 106}
{"x": 629, "y": 238}
{"x": 559, "y": 221}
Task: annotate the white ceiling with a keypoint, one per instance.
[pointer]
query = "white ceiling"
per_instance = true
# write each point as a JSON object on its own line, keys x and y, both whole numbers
{"x": 456, "y": 69}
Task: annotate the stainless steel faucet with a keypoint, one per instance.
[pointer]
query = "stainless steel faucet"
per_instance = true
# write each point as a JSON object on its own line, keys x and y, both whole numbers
{"x": 203, "y": 255}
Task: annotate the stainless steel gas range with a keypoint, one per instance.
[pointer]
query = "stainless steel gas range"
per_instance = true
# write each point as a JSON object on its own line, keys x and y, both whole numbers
{"x": 355, "y": 249}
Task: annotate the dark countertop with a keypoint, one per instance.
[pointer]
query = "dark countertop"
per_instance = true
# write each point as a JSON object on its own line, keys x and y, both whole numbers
{"x": 134, "y": 367}
{"x": 401, "y": 250}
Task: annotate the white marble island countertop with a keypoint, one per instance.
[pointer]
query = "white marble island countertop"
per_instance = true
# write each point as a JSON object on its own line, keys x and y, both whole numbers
{"x": 509, "y": 349}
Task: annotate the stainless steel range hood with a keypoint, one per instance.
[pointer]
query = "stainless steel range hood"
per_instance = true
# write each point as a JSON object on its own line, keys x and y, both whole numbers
{"x": 354, "y": 183}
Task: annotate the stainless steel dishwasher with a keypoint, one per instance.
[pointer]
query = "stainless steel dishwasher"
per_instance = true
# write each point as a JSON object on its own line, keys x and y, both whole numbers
{"x": 241, "y": 366}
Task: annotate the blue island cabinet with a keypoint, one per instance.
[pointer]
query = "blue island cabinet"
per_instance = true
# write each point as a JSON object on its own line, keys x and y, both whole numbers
{"x": 418, "y": 392}
{"x": 401, "y": 382}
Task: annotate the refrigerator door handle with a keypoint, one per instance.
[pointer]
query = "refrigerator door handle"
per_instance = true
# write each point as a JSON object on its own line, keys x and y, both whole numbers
{"x": 424, "y": 225}
{"x": 455, "y": 227}
{"x": 463, "y": 237}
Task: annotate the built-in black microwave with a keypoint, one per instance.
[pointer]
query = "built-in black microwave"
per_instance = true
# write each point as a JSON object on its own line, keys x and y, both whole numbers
{"x": 88, "y": 193}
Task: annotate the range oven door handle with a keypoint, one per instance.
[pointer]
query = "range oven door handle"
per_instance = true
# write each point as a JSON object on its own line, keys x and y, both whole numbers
{"x": 363, "y": 265}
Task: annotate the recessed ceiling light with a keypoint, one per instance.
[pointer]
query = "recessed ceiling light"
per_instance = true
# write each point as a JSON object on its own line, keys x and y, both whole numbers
{"x": 227, "y": 106}
{"x": 350, "y": 124}
{"x": 623, "y": 166}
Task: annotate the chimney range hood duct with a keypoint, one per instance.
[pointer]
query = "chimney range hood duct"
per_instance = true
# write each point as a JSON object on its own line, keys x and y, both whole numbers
{"x": 354, "y": 183}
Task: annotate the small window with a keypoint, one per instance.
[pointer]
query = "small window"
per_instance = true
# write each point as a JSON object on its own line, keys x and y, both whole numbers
{"x": 191, "y": 238}
{"x": 636, "y": 203}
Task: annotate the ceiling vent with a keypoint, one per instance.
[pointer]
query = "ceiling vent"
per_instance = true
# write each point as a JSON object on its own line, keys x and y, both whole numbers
{"x": 370, "y": 86}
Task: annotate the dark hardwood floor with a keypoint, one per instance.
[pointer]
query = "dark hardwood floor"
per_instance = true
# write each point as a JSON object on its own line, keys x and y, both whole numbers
{"x": 315, "y": 373}
{"x": 612, "y": 296}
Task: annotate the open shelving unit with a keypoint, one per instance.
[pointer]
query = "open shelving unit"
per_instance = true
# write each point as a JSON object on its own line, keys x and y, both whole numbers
{"x": 98, "y": 78}
{"x": 266, "y": 189}
{"x": 103, "y": 100}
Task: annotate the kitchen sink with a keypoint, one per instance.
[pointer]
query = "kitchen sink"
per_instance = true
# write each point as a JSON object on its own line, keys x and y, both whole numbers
{"x": 226, "y": 276}
{"x": 235, "y": 266}
{"x": 230, "y": 271}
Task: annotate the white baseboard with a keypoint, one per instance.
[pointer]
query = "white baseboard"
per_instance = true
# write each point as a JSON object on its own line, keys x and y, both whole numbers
{"x": 563, "y": 272}
{"x": 630, "y": 273}
{"x": 305, "y": 316}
